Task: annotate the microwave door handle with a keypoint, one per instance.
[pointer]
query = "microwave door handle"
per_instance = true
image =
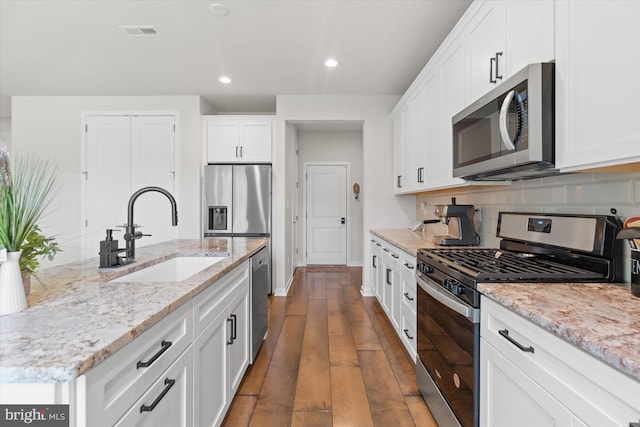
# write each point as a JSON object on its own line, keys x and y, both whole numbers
{"x": 504, "y": 132}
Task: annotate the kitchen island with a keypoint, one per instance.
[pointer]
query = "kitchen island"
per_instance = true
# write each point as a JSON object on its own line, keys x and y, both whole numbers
{"x": 77, "y": 318}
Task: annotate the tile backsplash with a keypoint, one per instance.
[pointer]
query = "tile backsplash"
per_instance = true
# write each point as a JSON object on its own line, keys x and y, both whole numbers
{"x": 581, "y": 193}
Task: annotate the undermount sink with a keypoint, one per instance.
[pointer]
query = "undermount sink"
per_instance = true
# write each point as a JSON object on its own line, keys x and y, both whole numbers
{"x": 172, "y": 270}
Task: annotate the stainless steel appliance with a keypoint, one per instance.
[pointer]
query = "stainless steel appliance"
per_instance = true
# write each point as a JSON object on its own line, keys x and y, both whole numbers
{"x": 460, "y": 226}
{"x": 534, "y": 248}
{"x": 260, "y": 287}
{"x": 237, "y": 202}
{"x": 508, "y": 134}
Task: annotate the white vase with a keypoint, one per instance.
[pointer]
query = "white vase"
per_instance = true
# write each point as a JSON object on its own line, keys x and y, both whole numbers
{"x": 12, "y": 297}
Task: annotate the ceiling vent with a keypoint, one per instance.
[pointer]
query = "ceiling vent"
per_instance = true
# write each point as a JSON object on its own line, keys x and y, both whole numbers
{"x": 140, "y": 30}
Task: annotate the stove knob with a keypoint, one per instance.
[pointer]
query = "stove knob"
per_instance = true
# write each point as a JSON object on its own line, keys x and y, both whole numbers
{"x": 457, "y": 289}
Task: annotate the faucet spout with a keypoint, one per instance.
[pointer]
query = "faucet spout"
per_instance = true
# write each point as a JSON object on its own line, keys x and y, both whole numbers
{"x": 130, "y": 234}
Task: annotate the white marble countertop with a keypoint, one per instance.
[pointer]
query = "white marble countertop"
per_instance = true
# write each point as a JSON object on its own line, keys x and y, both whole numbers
{"x": 76, "y": 318}
{"x": 602, "y": 319}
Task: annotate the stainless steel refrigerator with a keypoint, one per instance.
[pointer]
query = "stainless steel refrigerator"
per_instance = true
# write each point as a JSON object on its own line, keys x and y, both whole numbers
{"x": 237, "y": 201}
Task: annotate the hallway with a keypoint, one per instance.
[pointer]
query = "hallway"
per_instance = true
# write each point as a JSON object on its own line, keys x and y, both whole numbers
{"x": 331, "y": 358}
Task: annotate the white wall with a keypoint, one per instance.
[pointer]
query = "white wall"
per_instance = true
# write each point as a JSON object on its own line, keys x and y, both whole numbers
{"x": 381, "y": 208}
{"x": 51, "y": 127}
{"x": 334, "y": 146}
{"x": 579, "y": 193}
{"x": 5, "y": 131}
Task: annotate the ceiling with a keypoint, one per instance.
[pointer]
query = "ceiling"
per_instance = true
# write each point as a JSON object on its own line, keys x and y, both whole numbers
{"x": 267, "y": 48}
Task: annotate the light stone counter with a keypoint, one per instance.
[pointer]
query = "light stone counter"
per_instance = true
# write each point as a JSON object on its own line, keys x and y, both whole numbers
{"x": 601, "y": 319}
{"x": 76, "y": 319}
{"x": 407, "y": 240}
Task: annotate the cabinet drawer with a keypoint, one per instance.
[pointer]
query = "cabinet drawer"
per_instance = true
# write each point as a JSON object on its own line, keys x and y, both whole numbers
{"x": 208, "y": 303}
{"x": 168, "y": 402}
{"x": 409, "y": 294}
{"x": 114, "y": 385}
{"x": 599, "y": 394}
{"x": 408, "y": 332}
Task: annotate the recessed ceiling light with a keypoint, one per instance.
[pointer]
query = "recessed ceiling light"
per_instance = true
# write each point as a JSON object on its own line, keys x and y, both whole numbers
{"x": 218, "y": 9}
{"x": 224, "y": 79}
{"x": 331, "y": 62}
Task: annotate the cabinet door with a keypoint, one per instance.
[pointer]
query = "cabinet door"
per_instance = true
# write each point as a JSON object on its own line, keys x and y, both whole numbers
{"x": 529, "y": 34}
{"x": 597, "y": 84}
{"x": 399, "y": 144}
{"x": 223, "y": 141}
{"x": 387, "y": 283}
{"x": 509, "y": 398}
{"x": 486, "y": 38}
{"x": 153, "y": 164}
{"x": 255, "y": 141}
{"x": 427, "y": 136}
{"x": 241, "y": 338}
{"x": 373, "y": 269}
{"x": 396, "y": 290}
{"x": 211, "y": 392}
{"x": 452, "y": 100}
{"x": 168, "y": 402}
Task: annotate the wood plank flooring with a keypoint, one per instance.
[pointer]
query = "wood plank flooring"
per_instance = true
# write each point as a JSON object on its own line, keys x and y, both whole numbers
{"x": 331, "y": 358}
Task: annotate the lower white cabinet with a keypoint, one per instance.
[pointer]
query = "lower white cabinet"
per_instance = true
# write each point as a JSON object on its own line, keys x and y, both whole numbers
{"x": 168, "y": 401}
{"x": 221, "y": 351}
{"x": 530, "y": 377}
{"x": 394, "y": 282}
{"x": 115, "y": 386}
{"x": 166, "y": 376}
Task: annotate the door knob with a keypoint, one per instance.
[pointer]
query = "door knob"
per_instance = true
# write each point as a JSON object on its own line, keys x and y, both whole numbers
{"x": 343, "y": 220}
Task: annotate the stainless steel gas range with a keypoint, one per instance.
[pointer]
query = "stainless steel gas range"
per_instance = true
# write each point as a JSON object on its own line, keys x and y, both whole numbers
{"x": 535, "y": 247}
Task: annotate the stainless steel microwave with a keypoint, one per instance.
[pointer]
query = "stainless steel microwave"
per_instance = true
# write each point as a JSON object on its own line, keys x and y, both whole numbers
{"x": 509, "y": 134}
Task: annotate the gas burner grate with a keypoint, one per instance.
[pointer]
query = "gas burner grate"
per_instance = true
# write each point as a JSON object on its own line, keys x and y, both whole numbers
{"x": 494, "y": 264}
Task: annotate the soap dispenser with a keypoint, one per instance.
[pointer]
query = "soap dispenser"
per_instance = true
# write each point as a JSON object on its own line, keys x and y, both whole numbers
{"x": 109, "y": 251}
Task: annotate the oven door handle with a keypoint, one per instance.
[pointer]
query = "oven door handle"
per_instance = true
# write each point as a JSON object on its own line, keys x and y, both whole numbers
{"x": 460, "y": 308}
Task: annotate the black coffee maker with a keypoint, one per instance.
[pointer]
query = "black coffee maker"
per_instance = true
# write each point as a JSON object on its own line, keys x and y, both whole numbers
{"x": 460, "y": 227}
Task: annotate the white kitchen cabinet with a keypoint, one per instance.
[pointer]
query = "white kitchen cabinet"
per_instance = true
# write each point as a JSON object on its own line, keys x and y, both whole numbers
{"x": 374, "y": 272}
{"x": 396, "y": 289}
{"x": 407, "y": 327}
{"x": 221, "y": 347}
{"x": 486, "y": 41}
{"x": 114, "y": 386}
{"x": 597, "y": 85}
{"x": 528, "y": 376}
{"x": 493, "y": 40}
{"x": 168, "y": 401}
{"x": 503, "y": 37}
{"x": 452, "y": 71}
{"x": 238, "y": 139}
{"x": 400, "y": 146}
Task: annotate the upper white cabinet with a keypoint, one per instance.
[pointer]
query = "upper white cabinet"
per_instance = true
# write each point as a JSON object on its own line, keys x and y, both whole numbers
{"x": 493, "y": 40}
{"x": 238, "y": 139}
{"x": 597, "y": 84}
{"x": 505, "y": 36}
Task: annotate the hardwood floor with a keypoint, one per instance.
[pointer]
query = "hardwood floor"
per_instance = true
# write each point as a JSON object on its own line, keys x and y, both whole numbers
{"x": 331, "y": 358}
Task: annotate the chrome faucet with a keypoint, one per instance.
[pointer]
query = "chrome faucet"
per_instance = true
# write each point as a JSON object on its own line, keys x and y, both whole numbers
{"x": 131, "y": 235}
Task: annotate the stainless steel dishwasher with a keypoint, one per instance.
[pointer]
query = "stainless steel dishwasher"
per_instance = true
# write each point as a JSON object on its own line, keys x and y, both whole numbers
{"x": 260, "y": 288}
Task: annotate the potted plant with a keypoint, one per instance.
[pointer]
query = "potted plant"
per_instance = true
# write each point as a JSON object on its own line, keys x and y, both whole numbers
{"x": 27, "y": 187}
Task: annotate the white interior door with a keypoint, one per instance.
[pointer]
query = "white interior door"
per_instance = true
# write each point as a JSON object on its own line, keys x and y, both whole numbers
{"x": 153, "y": 164}
{"x": 122, "y": 155}
{"x": 326, "y": 214}
{"x": 108, "y": 179}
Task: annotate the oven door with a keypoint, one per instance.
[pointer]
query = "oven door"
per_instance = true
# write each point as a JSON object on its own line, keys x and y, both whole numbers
{"x": 448, "y": 342}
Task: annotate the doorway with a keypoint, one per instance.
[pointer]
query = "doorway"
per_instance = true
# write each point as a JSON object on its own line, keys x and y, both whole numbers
{"x": 325, "y": 208}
